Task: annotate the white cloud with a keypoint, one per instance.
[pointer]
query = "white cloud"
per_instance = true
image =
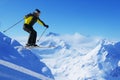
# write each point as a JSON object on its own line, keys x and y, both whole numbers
{"x": 79, "y": 41}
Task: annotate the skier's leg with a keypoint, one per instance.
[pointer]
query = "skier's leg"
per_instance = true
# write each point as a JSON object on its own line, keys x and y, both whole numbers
{"x": 29, "y": 30}
{"x": 34, "y": 36}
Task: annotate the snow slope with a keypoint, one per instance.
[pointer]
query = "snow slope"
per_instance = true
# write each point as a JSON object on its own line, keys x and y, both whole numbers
{"x": 72, "y": 57}
{"x": 18, "y": 63}
{"x": 76, "y": 57}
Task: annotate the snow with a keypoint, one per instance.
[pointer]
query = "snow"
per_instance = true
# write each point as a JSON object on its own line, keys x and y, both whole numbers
{"x": 18, "y": 63}
{"x": 78, "y": 57}
{"x": 23, "y": 70}
{"x": 72, "y": 57}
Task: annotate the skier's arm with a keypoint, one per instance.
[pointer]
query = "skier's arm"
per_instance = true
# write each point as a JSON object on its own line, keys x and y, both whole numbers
{"x": 42, "y": 23}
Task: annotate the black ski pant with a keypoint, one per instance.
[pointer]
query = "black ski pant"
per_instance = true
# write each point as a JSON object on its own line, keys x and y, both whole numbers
{"x": 32, "y": 34}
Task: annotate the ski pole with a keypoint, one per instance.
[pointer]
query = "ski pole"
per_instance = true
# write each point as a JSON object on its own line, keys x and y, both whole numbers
{"x": 42, "y": 35}
{"x": 12, "y": 26}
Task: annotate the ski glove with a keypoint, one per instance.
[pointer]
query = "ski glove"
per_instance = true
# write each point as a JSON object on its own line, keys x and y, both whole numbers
{"x": 46, "y": 26}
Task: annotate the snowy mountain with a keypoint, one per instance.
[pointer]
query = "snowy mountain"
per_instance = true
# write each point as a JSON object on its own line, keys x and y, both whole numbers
{"x": 68, "y": 57}
{"x": 76, "y": 57}
{"x": 18, "y": 63}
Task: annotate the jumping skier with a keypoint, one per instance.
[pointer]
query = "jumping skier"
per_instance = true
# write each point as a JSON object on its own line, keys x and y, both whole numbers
{"x": 30, "y": 20}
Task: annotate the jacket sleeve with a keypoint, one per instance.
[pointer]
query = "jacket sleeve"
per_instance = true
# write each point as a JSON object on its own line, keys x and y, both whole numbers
{"x": 41, "y": 22}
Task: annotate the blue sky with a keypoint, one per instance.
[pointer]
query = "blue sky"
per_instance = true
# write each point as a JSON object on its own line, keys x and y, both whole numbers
{"x": 87, "y": 17}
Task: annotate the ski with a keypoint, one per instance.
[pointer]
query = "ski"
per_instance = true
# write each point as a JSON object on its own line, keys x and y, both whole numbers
{"x": 35, "y": 47}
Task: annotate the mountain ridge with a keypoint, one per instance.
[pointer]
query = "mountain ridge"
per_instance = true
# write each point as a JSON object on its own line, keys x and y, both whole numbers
{"x": 74, "y": 57}
{"x": 96, "y": 62}
{"x": 10, "y": 52}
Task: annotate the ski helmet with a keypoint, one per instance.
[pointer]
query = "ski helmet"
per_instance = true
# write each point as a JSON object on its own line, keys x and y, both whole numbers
{"x": 37, "y": 11}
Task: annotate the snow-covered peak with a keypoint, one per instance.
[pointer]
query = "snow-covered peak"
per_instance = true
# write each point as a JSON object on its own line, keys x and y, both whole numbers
{"x": 18, "y": 63}
{"x": 87, "y": 58}
{"x": 52, "y": 34}
{"x": 77, "y": 41}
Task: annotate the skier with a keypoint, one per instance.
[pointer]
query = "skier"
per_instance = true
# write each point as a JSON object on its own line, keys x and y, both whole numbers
{"x": 30, "y": 20}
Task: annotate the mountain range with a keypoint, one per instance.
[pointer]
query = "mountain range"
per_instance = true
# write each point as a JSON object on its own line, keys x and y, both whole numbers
{"x": 62, "y": 57}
